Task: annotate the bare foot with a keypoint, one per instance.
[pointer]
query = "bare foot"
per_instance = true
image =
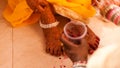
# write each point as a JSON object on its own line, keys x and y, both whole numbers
{"x": 93, "y": 40}
{"x": 53, "y": 44}
{"x": 52, "y": 34}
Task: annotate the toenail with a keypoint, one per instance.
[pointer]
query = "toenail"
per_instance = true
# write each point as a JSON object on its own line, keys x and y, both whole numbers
{"x": 91, "y": 51}
{"x": 61, "y": 44}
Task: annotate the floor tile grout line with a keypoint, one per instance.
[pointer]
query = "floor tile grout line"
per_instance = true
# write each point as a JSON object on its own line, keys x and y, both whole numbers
{"x": 12, "y": 50}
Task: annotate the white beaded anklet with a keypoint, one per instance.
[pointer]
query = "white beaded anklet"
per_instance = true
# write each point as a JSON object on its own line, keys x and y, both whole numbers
{"x": 54, "y": 24}
{"x": 80, "y": 64}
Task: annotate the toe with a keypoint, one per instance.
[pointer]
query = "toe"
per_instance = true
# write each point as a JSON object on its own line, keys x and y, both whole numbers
{"x": 90, "y": 51}
{"x": 47, "y": 49}
{"x": 97, "y": 38}
{"x": 96, "y": 45}
{"x": 56, "y": 51}
{"x": 93, "y": 46}
{"x": 59, "y": 52}
{"x": 51, "y": 51}
{"x": 97, "y": 41}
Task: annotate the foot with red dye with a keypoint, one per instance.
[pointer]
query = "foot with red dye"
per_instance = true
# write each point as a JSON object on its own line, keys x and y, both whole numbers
{"x": 92, "y": 39}
{"x": 53, "y": 44}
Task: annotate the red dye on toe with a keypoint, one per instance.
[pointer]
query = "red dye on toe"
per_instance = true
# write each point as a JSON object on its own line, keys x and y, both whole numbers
{"x": 60, "y": 58}
{"x": 64, "y": 66}
{"x": 91, "y": 51}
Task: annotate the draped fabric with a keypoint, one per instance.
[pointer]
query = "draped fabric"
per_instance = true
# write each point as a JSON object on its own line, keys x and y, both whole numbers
{"x": 18, "y": 13}
{"x": 81, "y": 7}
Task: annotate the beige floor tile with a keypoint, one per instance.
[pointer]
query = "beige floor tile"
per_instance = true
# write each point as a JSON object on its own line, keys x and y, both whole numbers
{"x": 5, "y": 41}
{"x": 24, "y": 47}
{"x": 5, "y": 46}
{"x": 29, "y": 50}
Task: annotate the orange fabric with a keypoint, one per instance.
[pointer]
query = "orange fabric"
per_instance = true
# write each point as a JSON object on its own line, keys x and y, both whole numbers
{"x": 81, "y": 7}
{"x": 19, "y": 13}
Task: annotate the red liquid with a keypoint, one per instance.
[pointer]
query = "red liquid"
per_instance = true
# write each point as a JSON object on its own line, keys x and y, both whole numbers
{"x": 74, "y": 30}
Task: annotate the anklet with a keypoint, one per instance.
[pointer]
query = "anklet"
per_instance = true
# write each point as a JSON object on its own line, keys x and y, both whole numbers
{"x": 109, "y": 8}
{"x": 80, "y": 64}
{"x": 54, "y": 24}
{"x": 112, "y": 13}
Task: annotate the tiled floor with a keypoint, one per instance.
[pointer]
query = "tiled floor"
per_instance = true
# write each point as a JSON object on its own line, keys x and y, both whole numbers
{"x": 5, "y": 42}
{"x": 23, "y": 47}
